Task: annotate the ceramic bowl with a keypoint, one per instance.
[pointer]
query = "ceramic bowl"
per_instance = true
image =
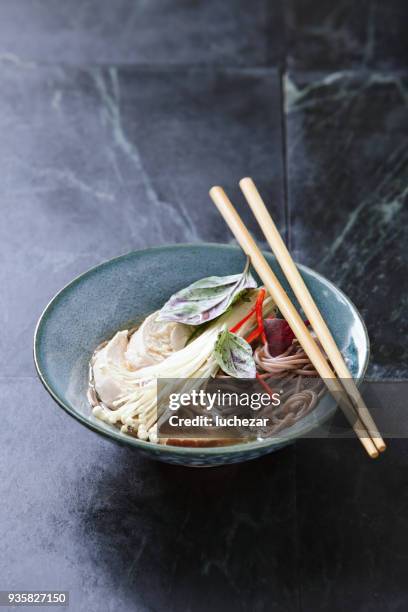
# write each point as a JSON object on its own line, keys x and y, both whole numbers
{"x": 119, "y": 293}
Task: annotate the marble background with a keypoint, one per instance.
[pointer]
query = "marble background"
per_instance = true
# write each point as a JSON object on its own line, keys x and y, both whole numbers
{"x": 115, "y": 119}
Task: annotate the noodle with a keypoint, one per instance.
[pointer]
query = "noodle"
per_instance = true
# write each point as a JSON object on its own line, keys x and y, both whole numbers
{"x": 293, "y": 360}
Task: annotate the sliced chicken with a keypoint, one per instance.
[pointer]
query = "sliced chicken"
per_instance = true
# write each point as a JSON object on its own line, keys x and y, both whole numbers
{"x": 107, "y": 385}
{"x": 154, "y": 341}
{"x": 149, "y": 345}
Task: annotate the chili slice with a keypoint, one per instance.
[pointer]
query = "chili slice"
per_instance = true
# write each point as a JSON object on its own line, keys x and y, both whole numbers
{"x": 264, "y": 384}
{"x": 258, "y": 310}
{"x": 238, "y": 325}
{"x": 259, "y": 331}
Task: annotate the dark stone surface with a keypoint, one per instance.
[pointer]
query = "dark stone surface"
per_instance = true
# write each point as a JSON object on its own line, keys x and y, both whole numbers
{"x": 328, "y": 35}
{"x": 348, "y": 177}
{"x": 307, "y": 34}
{"x": 121, "y": 532}
{"x": 128, "y": 31}
{"x": 98, "y": 160}
{"x": 352, "y": 534}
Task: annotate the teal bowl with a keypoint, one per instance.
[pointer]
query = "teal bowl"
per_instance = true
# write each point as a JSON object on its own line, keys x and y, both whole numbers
{"x": 119, "y": 293}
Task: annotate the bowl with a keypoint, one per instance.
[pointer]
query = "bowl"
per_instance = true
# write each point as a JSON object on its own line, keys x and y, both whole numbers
{"x": 119, "y": 293}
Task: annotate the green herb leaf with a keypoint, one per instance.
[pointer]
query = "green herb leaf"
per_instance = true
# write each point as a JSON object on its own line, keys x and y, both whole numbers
{"x": 207, "y": 298}
{"x": 234, "y": 355}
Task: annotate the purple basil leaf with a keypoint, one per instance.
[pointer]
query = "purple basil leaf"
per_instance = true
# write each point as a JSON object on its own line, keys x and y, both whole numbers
{"x": 207, "y": 298}
{"x": 234, "y": 355}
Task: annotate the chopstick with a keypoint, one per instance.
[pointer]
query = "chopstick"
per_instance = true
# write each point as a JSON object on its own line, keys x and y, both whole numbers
{"x": 290, "y": 313}
{"x": 309, "y": 306}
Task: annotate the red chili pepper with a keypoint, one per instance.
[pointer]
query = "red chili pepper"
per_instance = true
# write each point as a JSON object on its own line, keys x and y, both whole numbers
{"x": 253, "y": 335}
{"x": 259, "y": 317}
{"x": 257, "y": 308}
{"x": 264, "y": 384}
{"x": 244, "y": 320}
{"x": 259, "y": 330}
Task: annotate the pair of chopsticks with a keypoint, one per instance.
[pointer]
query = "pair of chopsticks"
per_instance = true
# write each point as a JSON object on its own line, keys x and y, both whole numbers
{"x": 338, "y": 380}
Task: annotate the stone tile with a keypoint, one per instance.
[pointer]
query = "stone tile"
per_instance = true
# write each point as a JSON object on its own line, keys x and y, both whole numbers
{"x": 124, "y": 32}
{"x": 327, "y": 35}
{"x": 80, "y": 513}
{"x": 351, "y": 532}
{"x": 97, "y": 162}
{"x": 347, "y": 188}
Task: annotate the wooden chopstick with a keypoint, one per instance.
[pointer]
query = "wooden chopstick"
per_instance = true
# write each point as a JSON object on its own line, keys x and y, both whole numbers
{"x": 309, "y": 306}
{"x": 290, "y": 313}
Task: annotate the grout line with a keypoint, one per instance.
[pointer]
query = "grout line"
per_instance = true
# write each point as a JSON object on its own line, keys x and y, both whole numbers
{"x": 297, "y": 538}
{"x": 288, "y": 233}
{"x": 288, "y": 239}
{"x": 11, "y": 377}
{"x": 162, "y": 66}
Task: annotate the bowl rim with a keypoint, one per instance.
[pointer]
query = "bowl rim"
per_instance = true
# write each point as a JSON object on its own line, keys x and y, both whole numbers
{"x": 185, "y": 451}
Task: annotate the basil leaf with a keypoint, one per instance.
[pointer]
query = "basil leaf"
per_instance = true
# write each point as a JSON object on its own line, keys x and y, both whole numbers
{"x": 207, "y": 298}
{"x": 234, "y": 355}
